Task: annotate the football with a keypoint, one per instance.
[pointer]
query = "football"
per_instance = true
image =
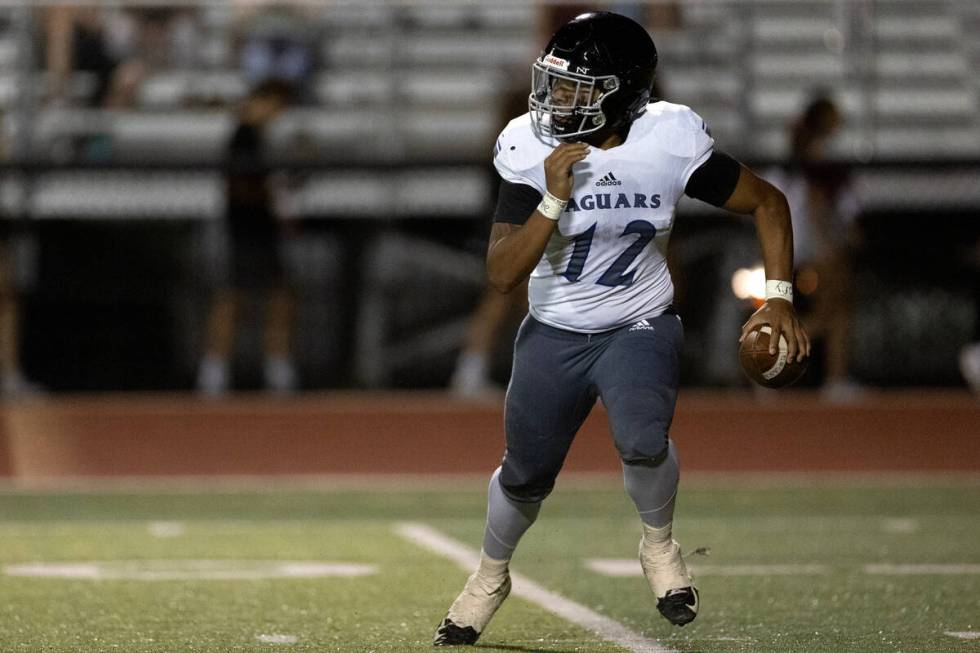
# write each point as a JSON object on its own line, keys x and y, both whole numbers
{"x": 769, "y": 370}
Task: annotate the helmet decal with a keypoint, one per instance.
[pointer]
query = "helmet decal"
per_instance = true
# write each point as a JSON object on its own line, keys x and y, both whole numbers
{"x": 558, "y": 62}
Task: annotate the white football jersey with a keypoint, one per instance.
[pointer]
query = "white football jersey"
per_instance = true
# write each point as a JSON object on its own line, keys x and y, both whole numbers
{"x": 605, "y": 265}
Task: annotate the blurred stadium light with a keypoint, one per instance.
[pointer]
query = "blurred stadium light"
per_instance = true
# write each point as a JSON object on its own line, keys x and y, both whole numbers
{"x": 393, "y": 146}
{"x": 749, "y": 283}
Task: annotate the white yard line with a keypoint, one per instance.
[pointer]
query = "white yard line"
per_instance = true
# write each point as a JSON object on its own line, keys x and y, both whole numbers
{"x": 166, "y": 528}
{"x": 277, "y": 639}
{"x": 921, "y": 570}
{"x": 154, "y": 570}
{"x": 900, "y": 525}
{"x": 760, "y": 570}
{"x": 626, "y": 567}
{"x": 968, "y": 634}
{"x": 578, "y": 614}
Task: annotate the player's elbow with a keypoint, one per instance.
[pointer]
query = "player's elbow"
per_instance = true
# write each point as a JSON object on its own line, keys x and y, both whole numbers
{"x": 772, "y": 205}
{"x": 502, "y": 280}
{"x": 502, "y": 274}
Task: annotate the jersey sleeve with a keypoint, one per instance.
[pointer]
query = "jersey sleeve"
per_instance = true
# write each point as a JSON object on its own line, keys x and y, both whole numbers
{"x": 700, "y": 144}
{"x": 510, "y": 168}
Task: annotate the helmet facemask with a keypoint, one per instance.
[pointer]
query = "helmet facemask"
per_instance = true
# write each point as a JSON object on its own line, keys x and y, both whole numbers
{"x": 566, "y": 105}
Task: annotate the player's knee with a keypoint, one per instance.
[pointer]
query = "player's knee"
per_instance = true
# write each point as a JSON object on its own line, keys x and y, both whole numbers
{"x": 651, "y": 450}
{"x": 527, "y": 492}
{"x": 524, "y": 485}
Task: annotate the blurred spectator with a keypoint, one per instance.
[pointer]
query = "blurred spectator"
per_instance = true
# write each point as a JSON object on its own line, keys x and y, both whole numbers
{"x": 13, "y": 383}
{"x": 117, "y": 48}
{"x": 487, "y": 329}
{"x": 76, "y": 40}
{"x": 160, "y": 38}
{"x": 12, "y": 380}
{"x": 497, "y": 312}
{"x": 278, "y": 42}
{"x": 255, "y": 233}
{"x": 824, "y": 239}
{"x": 970, "y": 353}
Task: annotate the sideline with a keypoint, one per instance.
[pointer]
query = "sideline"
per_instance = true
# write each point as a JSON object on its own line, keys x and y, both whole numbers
{"x": 475, "y": 482}
{"x": 576, "y": 613}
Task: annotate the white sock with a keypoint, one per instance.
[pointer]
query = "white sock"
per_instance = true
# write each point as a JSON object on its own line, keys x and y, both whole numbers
{"x": 491, "y": 567}
{"x": 657, "y": 539}
{"x": 491, "y": 574}
{"x": 280, "y": 375}
{"x": 212, "y": 375}
{"x": 472, "y": 374}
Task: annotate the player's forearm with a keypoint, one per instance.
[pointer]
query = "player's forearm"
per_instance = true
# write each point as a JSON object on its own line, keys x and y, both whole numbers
{"x": 754, "y": 195}
{"x": 775, "y": 231}
{"x": 512, "y": 257}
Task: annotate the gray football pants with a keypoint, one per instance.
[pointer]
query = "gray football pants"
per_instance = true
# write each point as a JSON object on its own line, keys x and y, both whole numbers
{"x": 557, "y": 376}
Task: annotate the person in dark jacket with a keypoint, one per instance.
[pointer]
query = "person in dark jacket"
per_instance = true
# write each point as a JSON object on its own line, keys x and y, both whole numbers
{"x": 254, "y": 235}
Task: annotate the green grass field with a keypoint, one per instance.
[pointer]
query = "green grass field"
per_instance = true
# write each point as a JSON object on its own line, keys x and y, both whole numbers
{"x": 823, "y": 598}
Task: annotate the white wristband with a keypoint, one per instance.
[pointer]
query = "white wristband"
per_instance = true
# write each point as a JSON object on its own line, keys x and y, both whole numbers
{"x": 551, "y": 207}
{"x": 776, "y": 289}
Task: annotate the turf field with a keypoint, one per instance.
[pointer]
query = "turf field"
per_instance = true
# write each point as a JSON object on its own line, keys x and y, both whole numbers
{"x": 852, "y": 566}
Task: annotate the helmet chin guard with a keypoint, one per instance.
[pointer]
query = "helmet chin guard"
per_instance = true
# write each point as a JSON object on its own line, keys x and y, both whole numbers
{"x": 595, "y": 73}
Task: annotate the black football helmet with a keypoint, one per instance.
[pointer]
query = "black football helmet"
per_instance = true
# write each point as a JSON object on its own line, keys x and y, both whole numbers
{"x": 595, "y": 73}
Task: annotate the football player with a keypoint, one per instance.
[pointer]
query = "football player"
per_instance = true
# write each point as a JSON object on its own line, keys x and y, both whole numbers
{"x": 590, "y": 179}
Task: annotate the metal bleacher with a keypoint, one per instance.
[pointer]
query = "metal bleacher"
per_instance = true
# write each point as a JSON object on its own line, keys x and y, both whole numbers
{"x": 399, "y": 84}
{"x": 904, "y": 74}
{"x": 417, "y": 82}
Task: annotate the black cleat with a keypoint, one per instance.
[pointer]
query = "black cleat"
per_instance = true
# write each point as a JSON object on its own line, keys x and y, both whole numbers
{"x": 679, "y": 606}
{"x": 449, "y": 634}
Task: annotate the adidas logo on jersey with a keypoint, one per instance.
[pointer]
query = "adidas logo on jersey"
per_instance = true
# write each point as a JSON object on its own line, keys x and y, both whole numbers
{"x": 609, "y": 180}
{"x": 642, "y": 325}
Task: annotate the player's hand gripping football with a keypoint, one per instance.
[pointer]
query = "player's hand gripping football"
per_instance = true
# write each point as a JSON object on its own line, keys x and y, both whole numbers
{"x": 558, "y": 168}
{"x": 781, "y": 317}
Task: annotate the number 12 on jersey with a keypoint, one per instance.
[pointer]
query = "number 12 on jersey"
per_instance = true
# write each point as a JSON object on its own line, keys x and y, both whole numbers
{"x": 613, "y": 276}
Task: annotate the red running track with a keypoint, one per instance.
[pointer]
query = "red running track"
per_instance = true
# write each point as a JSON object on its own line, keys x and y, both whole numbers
{"x": 429, "y": 433}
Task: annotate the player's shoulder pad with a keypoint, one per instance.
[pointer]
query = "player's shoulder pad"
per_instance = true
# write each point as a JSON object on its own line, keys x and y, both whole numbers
{"x": 677, "y": 128}
{"x": 518, "y": 154}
